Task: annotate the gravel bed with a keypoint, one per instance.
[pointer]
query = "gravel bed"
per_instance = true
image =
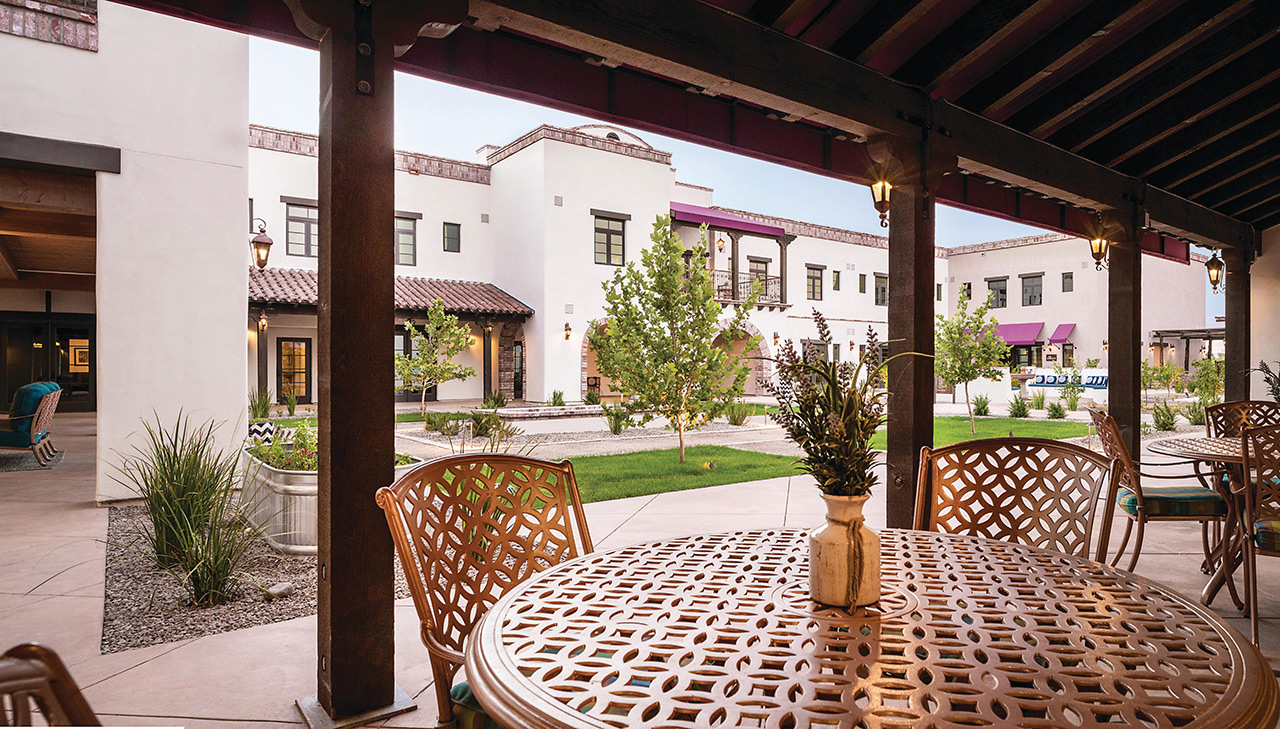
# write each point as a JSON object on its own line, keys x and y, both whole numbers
{"x": 435, "y": 439}
{"x": 146, "y": 606}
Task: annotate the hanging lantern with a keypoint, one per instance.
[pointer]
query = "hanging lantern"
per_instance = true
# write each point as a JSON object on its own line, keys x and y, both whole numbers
{"x": 1098, "y": 249}
{"x": 1216, "y": 269}
{"x": 720, "y": 244}
{"x": 880, "y": 196}
{"x": 261, "y": 244}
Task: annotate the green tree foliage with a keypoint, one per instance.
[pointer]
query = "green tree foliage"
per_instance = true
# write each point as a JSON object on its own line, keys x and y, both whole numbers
{"x": 966, "y": 347}
{"x": 1208, "y": 381}
{"x": 1168, "y": 375}
{"x": 658, "y": 348}
{"x": 434, "y": 345}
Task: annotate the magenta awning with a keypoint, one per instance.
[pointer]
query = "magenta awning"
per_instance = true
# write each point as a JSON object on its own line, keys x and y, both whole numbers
{"x": 698, "y": 215}
{"x": 1061, "y": 333}
{"x": 1018, "y": 334}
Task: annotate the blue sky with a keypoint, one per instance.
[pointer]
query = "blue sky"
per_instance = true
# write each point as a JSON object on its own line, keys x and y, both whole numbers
{"x": 449, "y": 121}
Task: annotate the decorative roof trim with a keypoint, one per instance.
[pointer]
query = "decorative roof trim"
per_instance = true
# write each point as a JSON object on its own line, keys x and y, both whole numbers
{"x": 694, "y": 187}
{"x": 569, "y": 136}
{"x": 1030, "y": 240}
{"x": 824, "y": 232}
{"x": 415, "y": 163}
{"x": 300, "y": 286}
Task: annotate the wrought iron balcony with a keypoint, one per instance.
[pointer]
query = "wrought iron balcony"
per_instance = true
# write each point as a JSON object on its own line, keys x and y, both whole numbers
{"x": 726, "y": 291}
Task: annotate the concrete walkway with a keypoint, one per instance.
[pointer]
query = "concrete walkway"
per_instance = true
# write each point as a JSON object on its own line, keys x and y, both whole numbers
{"x": 51, "y": 591}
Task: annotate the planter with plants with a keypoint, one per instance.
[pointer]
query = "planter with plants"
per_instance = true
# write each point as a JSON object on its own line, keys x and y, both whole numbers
{"x": 260, "y": 425}
{"x": 282, "y": 486}
{"x": 832, "y": 410}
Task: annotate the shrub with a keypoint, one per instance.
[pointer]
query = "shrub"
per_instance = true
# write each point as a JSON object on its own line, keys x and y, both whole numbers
{"x": 1269, "y": 377}
{"x": 291, "y": 401}
{"x": 557, "y": 398}
{"x": 1056, "y": 411}
{"x": 436, "y": 421}
{"x": 1164, "y": 416}
{"x": 1092, "y": 362}
{"x": 1073, "y": 402}
{"x": 738, "y": 412}
{"x": 494, "y": 400}
{"x": 1145, "y": 428}
{"x": 1037, "y": 400}
{"x": 483, "y": 424}
{"x": 619, "y": 418}
{"x": 1194, "y": 412}
{"x": 259, "y": 404}
{"x": 592, "y": 398}
{"x": 1019, "y": 407}
{"x": 214, "y": 549}
{"x": 981, "y": 405}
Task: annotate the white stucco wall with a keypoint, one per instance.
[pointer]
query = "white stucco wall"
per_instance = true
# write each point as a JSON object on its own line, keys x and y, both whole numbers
{"x": 172, "y": 256}
{"x": 1264, "y": 313}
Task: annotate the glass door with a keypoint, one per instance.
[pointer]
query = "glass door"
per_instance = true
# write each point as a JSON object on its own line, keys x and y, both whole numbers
{"x": 26, "y": 356}
{"x": 517, "y": 370}
{"x": 73, "y": 364}
{"x": 293, "y": 369}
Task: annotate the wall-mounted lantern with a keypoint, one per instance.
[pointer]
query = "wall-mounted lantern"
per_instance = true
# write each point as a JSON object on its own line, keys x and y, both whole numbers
{"x": 568, "y": 331}
{"x": 776, "y": 339}
{"x": 880, "y": 196}
{"x": 262, "y": 321}
{"x": 1098, "y": 249}
{"x": 261, "y": 244}
{"x": 720, "y": 244}
{"x": 1215, "y": 267}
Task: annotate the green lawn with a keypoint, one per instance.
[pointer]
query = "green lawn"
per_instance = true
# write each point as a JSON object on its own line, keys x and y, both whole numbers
{"x": 400, "y": 418}
{"x": 601, "y": 478}
{"x": 956, "y": 429}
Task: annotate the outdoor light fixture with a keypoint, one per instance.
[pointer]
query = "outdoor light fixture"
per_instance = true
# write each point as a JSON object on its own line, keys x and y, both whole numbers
{"x": 262, "y": 321}
{"x": 720, "y": 244}
{"x": 1215, "y": 268}
{"x": 1104, "y": 345}
{"x": 1098, "y": 248}
{"x": 261, "y": 243}
{"x": 776, "y": 339}
{"x": 568, "y": 330}
{"x": 880, "y": 196}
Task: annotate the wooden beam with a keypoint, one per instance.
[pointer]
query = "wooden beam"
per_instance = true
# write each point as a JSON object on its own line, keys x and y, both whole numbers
{"x": 1237, "y": 362}
{"x": 973, "y": 34}
{"x": 796, "y": 9}
{"x": 7, "y": 268}
{"x": 1239, "y": 187}
{"x": 50, "y": 282}
{"x": 880, "y": 26}
{"x": 57, "y": 155}
{"x": 35, "y": 224}
{"x": 1124, "y": 326}
{"x": 26, "y": 189}
{"x": 1257, "y": 203}
{"x": 1220, "y": 175}
{"x": 1220, "y": 152}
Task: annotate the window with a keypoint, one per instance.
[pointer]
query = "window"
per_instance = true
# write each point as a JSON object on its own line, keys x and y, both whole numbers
{"x": 938, "y": 293}
{"x": 835, "y": 352}
{"x": 302, "y": 226}
{"x": 1068, "y": 282}
{"x": 835, "y": 280}
{"x": 813, "y": 283}
{"x": 452, "y": 238}
{"x": 758, "y": 268}
{"x": 1032, "y": 290}
{"x": 882, "y": 290}
{"x": 406, "y": 241}
{"x": 1068, "y": 354}
{"x": 1000, "y": 288}
{"x": 862, "y": 283}
{"x": 293, "y": 368}
{"x": 609, "y": 241}
{"x": 967, "y": 290}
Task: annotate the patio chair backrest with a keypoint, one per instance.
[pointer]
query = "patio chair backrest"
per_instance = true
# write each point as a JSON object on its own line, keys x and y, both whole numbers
{"x": 470, "y": 527}
{"x": 1113, "y": 446}
{"x": 1041, "y": 493}
{"x": 44, "y": 414}
{"x": 34, "y": 682}
{"x": 1261, "y": 448}
{"x": 1229, "y": 419}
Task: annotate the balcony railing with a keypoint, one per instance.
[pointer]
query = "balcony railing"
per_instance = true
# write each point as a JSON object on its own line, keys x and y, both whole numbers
{"x": 770, "y": 287}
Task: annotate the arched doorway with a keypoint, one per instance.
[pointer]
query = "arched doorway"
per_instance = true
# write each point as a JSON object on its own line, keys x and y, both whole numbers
{"x": 756, "y": 358}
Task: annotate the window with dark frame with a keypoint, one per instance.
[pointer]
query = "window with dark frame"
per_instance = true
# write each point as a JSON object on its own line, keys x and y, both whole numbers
{"x": 999, "y": 287}
{"x": 406, "y": 242}
{"x": 610, "y": 241}
{"x": 302, "y": 230}
{"x": 813, "y": 283}
{"x": 293, "y": 368}
{"x": 452, "y": 238}
{"x": 862, "y": 283}
{"x": 938, "y": 293}
{"x": 967, "y": 289}
{"x": 758, "y": 268}
{"x": 1068, "y": 282}
{"x": 1032, "y": 290}
{"x": 1068, "y": 354}
{"x": 835, "y": 280}
{"x": 882, "y": 290}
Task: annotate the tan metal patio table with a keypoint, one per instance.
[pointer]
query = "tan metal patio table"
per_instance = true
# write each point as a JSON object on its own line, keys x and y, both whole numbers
{"x": 718, "y": 630}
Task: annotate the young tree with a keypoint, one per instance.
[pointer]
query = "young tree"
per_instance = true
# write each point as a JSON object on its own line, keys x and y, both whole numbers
{"x": 966, "y": 347}
{"x": 434, "y": 346}
{"x": 658, "y": 348}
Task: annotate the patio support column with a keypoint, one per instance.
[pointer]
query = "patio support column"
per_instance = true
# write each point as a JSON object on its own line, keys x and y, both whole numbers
{"x": 488, "y": 357}
{"x": 1237, "y": 360}
{"x": 712, "y": 237}
{"x": 356, "y": 313}
{"x": 783, "y": 242}
{"x": 262, "y": 357}
{"x": 733, "y": 265}
{"x": 1124, "y": 325}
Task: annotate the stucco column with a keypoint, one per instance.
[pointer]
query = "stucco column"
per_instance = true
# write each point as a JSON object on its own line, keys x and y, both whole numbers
{"x": 1237, "y": 360}
{"x": 784, "y": 241}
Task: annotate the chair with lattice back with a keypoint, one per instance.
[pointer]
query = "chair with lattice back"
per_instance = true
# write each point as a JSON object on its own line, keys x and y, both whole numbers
{"x": 467, "y": 528}
{"x": 1041, "y": 493}
{"x": 1229, "y": 419}
{"x": 34, "y": 682}
{"x": 1141, "y": 503}
{"x": 1261, "y": 448}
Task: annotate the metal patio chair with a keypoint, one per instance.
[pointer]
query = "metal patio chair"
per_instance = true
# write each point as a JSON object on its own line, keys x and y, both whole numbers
{"x": 1229, "y": 419}
{"x": 28, "y": 429}
{"x": 467, "y": 528}
{"x": 34, "y": 682}
{"x": 1261, "y": 448}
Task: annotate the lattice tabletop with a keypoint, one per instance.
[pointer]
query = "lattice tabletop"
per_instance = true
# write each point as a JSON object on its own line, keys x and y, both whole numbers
{"x": 1201, "y": 448}
{"x": 718, "y": 630}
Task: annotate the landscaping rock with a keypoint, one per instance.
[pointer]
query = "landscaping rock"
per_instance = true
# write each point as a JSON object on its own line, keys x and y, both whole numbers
{"x": 280, "y": 589}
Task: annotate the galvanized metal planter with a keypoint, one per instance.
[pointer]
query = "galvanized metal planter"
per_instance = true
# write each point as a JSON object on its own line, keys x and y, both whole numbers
{"x": 282, "y": 504}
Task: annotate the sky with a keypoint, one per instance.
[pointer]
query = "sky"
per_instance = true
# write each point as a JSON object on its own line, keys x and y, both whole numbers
{"x": 453, "y": 122}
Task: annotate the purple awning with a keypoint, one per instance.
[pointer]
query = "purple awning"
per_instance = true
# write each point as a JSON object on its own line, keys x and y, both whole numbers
{"x": 1020, "y": 334}
{"x": 698, "y": 215}
{"x": 1061, "y": 333}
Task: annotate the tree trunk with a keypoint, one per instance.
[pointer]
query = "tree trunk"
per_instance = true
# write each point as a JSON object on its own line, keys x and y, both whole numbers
{"x": 423, "y": 407}
{"x": 680, "y": 429}
{"x": 973, "y": 429}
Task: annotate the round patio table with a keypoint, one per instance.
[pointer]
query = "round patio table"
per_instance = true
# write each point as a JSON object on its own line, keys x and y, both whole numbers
{"x": 718, "y": 630}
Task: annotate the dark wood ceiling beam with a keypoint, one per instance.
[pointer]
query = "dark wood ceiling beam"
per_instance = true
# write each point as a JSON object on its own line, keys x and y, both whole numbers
{"x": 50, "y": 282}
{"x": 977, "y": 31}
{"x": 880, "y": 26}
{"x": 28, "y": 189}
{"x": 1259, "y": 203}
{"x": 796, "y": 10}
{"x": 1074, "y": 38}
{"x": 1268, "y": 221}
{"x": 7, "y": 268}
{"x": 1205, "y": 131}
{"x": 1267, "y": 153}
{"x": 1223, "y": 152}
{"x": 1179, "y": 74}
{"x": 1165, "y": 38}
{"x": 767, "y": 11}
{"x": 34, "y": 224}
{"x": 1238, "y": 187}
{"x": 1245, "y": 76}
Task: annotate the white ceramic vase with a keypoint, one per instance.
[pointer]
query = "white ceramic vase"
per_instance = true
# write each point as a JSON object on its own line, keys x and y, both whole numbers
{"x": 844, "y": 556}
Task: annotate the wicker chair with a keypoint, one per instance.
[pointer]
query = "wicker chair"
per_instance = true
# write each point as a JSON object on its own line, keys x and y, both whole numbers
{"x": 1042, "y": 493}
{"x": 1142, "y": 504}
{"x": 1229, "y": 419}
{"x": 33, "y": 682}
{"x": 467, "y": 528}
{"x": 1261, "y": 447}
{"x": 23, "y": 431}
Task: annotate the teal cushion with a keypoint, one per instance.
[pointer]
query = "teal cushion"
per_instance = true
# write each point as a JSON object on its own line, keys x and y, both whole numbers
{"x": 15, "y": 439}
{"x": 1174, "y": 501}
{"x": 467, "y": 711}
{"x": 1266, "y": 534}
{"x": 25, "y": 402}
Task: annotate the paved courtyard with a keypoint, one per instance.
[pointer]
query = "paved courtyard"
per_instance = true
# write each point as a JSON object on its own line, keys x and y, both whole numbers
{"x": 51, "y": 591}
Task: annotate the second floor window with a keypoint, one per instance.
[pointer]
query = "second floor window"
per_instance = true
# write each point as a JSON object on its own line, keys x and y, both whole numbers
{"x": 1032, "y": 290}
{"x": 452, "y": 238}
{"x": 757, "y": 268}
{"x": 302, "y": 223}
{"x": 1068, "y": 282}
{"x": 966, "y": 289}
{"x": 835, "y": 280}
{"x": 862, "y": 283}
{"x": 813, "y": 283}
{"x": 938, "y": 292}
{"x": 882, "y": 290}
{"x": 1000, "y": 289}
{"x": 406, "y": 242}
{"x": 609, "y": 241}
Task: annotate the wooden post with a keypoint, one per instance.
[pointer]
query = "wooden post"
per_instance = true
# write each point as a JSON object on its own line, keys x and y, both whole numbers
{"x": 911, "y": 312}
{"x": 1124, "y": 326}
{"x": 488, "y": 357}
{"x": 733, "y": 266}
{"x": 783, "y": 242}
{"x": 356, "y": 313}
{"x": 262, "y": 340}
{"x": 1238, "y": 357}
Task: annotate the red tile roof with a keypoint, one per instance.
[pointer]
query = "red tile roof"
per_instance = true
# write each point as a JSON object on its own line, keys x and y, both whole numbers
{"x": 299, "y": 286}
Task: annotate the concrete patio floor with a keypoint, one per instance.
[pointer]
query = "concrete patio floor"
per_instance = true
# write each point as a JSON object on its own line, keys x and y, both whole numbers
{"x": 51, "y": 591}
